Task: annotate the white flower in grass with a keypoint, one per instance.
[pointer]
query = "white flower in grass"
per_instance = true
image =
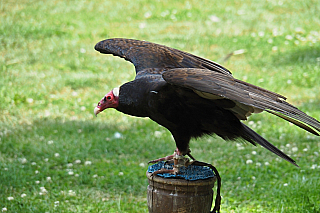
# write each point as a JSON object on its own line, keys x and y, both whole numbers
{"x": 36, "y": 172}
{"x": 285, "y": 184}
{"x": 147, "y": 14}
{"x": 33, "y": 163}
{"x": 70, "y": 173}
{"x": 46, "y": 159}
{"x": 120, "y": 173}
{"x": 254, "y": 152}
{"x": 267, "y": 163}
{"x": 37, "y": 181}
{"x": 253, "y": 177}
{"x": 49, "y": 179}
{"x": 251, "y": 123}
{"x": 10, "y": 198}
{"x": 214, "y": 18}
{"x": 4, "y": 209}
{"x": 173, "y": 17}
{"x": 117, "y": 135}
{"x": 87, "y": 162}
{"x": 239, "y": 146}
{"x": 77, "y": 161}
{"x": 275, "y": 32}
{"x": 43, "y": 190}
{"x": 56, "y": 155}
{"x": 50, "y": 142}
{"x": 71, "y": 193}
{"x": 249, "y": 161}
{"x": 314, "y": 166}
{"x": 142, "y": 25}
{"x": 56, "y": 203}
{"x": 157, "y": 134}
{"x": 142, "y": 165}
{"x": 95, "y": 176}
{"x": 305, "y": 149}
{"x": 23, "y": 195}
{"x": 69, "y": 165}
{"x": 23, "y": 160}
{"x": 76, "y": 175}
{"x": 165, "y": 13}
{"x": 289, "y": 37}
{"x": 258, "y": 164}
{"x": 299, "y": 30}
{"x": 294, "y": 149}
{"x": 261, "y": 33}
{"x": 82, "y": 50}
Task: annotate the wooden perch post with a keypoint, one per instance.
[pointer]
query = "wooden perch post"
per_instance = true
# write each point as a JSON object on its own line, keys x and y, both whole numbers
{"x": 172, "y": 195}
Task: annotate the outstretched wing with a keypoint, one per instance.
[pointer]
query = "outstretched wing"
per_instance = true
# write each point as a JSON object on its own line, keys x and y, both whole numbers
{"x": 247, "y": 97}
{"x": 146, "y": 55}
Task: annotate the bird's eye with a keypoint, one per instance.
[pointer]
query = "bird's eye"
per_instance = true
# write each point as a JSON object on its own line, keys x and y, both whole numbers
{"x": 109, "y": 97}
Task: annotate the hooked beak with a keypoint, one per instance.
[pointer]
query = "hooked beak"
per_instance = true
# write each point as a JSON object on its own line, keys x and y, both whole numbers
{"x": 96, "y": 111}
{"x": 108, "y": 101}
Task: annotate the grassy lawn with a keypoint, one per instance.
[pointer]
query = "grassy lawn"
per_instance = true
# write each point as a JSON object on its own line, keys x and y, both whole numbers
{"x": 55, "y": 156}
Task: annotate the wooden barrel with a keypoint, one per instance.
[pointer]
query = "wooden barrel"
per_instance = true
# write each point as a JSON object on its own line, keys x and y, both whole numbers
{"x": 171, "y": 195}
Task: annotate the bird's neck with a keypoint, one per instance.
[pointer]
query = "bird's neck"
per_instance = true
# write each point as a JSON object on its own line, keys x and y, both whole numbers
{"x": 131, "y": 101}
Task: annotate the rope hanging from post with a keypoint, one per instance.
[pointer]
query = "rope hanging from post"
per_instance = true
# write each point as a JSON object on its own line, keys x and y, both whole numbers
{"x": 217, "y": 203}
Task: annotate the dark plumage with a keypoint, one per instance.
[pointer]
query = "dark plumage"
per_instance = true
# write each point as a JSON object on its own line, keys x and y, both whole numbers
{"x": 192, "y": 96}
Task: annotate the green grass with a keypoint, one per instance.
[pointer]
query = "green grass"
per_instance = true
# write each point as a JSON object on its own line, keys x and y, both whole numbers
{"x": 51, "y": 79}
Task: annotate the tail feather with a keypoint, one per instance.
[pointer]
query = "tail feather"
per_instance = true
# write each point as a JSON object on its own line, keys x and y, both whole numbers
{"x": 252, "y": 137}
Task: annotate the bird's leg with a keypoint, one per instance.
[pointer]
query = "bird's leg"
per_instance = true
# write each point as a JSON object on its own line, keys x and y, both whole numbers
{"x": 167, "y": 158}
{"x": 178, "y": 161}
{"x": 171, "y": 157}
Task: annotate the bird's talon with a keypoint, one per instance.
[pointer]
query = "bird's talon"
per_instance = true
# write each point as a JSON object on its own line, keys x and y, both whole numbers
{"x": 178, "y": 157}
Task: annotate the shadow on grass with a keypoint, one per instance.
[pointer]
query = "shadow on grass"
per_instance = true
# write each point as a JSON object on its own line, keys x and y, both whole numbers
{"x": 79, "y": 155}
{"x": 307, "y": 55}
{"x": 86, "y": 138}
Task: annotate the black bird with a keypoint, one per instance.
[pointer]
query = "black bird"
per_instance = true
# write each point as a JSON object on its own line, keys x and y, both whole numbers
{"x": 192, "y": 96}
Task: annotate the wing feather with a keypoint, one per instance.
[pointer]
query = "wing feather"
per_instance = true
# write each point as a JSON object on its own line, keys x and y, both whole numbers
{"x": 145, "y": 55}
{"x": 246, "y": 94}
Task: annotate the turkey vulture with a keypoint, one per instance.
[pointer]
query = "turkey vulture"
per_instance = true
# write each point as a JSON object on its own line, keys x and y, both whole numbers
{"x": 192, "y": 96}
